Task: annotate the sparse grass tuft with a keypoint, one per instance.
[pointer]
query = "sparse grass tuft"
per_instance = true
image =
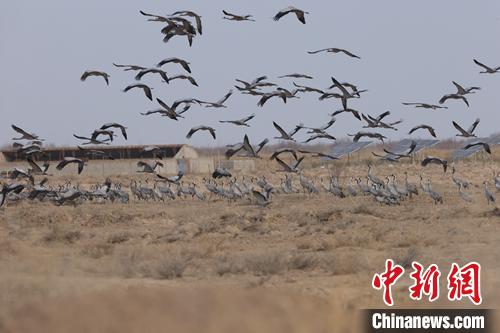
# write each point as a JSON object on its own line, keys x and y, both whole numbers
{"x": 97, "y": 250}
{"x": 62, "y": 235}
{"x": 407, "y": 258}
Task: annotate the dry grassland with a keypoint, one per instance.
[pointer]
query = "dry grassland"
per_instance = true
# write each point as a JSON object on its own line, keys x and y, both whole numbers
{"x": 302, "y": 264}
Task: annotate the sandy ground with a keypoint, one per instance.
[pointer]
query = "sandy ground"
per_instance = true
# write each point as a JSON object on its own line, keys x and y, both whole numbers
{"x": 303, "y": 264}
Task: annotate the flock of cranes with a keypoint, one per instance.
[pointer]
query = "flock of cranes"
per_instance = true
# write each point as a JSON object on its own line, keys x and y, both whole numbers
{"x": 188, "y": 24}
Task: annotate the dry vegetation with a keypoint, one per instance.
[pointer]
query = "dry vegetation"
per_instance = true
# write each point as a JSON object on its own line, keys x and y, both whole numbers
{"x": 302, "y": 264}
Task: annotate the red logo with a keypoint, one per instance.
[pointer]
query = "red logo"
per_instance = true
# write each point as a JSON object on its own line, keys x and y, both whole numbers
{"x": 387, "y": 279}
{"x": 425, "y": 283}
{"x": 465, "y": 282}
{"x": 462, "y": 282}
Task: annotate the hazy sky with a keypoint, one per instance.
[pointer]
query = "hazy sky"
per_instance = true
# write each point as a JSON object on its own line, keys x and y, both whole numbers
{"x": 410, "y": 50}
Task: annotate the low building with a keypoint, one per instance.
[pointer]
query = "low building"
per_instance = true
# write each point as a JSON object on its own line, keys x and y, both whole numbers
{"x": 124, "y": 160}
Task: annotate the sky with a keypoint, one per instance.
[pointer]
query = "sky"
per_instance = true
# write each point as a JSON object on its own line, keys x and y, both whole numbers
{"x": 410, "y": 52}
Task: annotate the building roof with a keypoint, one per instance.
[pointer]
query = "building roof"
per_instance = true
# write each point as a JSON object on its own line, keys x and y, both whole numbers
{"x": 116, "y": 152}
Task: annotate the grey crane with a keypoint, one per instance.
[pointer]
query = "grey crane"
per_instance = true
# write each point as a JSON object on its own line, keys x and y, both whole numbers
{"x": 158, "y": 71}
{"x": 335, "y": 50}
{"x": 485, "y": 146}
{"x": 71, "y": 160}
{"x": 173, "y": 179}
{"x": 234, "y": 17}
{"x": 465, "y": 91}
{"x": 454, "y": 96}
{"x": 221, "y": 172}
{"x": 430, "y": 129}
{"x": 201, "y": 128}
{"x": 285, "y": 135}
{"x": 174, "y": 60}
{"x": 146, "y": 89}
{"x": 95, "y": 152}
{"x": 104, "y": 75}
{"x": 280, "y": 151}
{"x": 464, "y": 195}
{"x": 25, "y": 135}
{"x": 220, "y": 102}
{"x": 320, "y": 135}
{"x": 426, "y": 106}
{"x": 355, "y": 113}
{"x": 184, "y": 77}
{"x": 435, "y": 160}
{"x": 122, "y": 128}
{"x": 487, "y": 69}
{"x": 36, "y": 169}
{"x": 197, "y": 18}
{"x": 372, "y": 135}
{"x": 296, "y": 76}
{"x": 149, "y": 167}
{"x": 298, "y": 12}
{"x": 129, "y": 67}
{"x": 92, "y": 140}
{"x": 292, "y": 168}
{"x": 490, "y": 198}
{"x": 239, "y": 122}
{"x": 470, "y": 131}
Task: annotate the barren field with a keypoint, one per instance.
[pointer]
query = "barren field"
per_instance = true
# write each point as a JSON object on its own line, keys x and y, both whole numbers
{"x": 302, "y": 264}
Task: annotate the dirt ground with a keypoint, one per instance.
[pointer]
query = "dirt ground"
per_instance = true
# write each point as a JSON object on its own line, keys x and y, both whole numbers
{"x": 302, "y": 264}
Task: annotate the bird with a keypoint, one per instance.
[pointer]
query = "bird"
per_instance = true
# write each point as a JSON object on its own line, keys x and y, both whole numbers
{"x": 490, "y": 198}
{"x": 298, "y": 12}
{"x": 149, "y": 167}
{"x": 293, "y": 168}
{"x": 426, "y": 106}
{"x": 435, "y": 160}
{"x": 488, "y": 70}
{"x": 220, "y": 172}
{"x": 296, "y": 76}
{"x": 173, "y": 179}
{"x": 321, "y": 135}
{"x": 70, "y": 160}
{"x": 234, "y": 17}
{"x": 36, "y": 169}
{"x": 470, "y": 132}
{"x": 376, "y": 122}
{"x": 485, "y": 146}
{"x": 143, "y": 72}
{"x": 426, "y": 127}
{"x": 220, "y": 102}
{"x": 24, "y": 135}
{"x": 145, "y": 88}
{"x": 94, "y": 152}
{"x": 239, "y": 122}
{"x": 262, "y": 198}
{"x": 309, "y": 89}
{"x": 122, "y": 128}
{"x": 285, "y": 135}
{"x": 129, "y": 67}
{"x": 104, "y": 75}
{"x": 92, "y": 140}
{"x": 319, "y": 129}
{"x": 280, "y": 151}
{"x": 201, "y": 128}
{"x": 464, "y": 91}
{"x": 179, "y": 61}
{"x": 197, "y": 18}
{"x": 335, "y": 50}
{"x": 355, "y": 113}
{"x": 372, "y": 135}
{"x": 184, "y": 77}
{"x": 407, "y": 152}
{"x": 345, "y": 93}
{"x": 454, "y": 96}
